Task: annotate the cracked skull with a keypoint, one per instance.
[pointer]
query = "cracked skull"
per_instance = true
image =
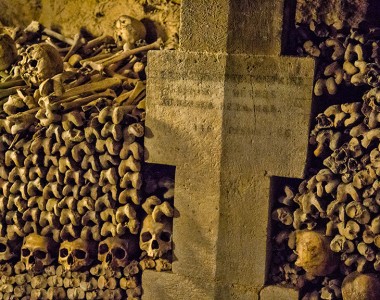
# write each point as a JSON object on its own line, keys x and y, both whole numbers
{"x": 156, "y": 236}
{"x": 314, "y": 253}
{"x": 40, "y": 62}
{"x": 128, "y": 31}
{"x": 115, "y": 252}
{"x": 76, "y": 254}
{"x": 37, "y": 252}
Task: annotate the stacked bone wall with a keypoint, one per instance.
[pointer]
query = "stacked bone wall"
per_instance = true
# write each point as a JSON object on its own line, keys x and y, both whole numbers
{"x": 81, "y": 214}
{"x": 325, "y": 227}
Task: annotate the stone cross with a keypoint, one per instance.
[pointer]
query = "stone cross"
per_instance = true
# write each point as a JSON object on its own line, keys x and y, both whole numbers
{"x": 229, "y": 111}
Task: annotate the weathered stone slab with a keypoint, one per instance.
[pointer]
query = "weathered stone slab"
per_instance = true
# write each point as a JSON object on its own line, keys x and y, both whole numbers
{"x": 185, "y": 116}
{"x": 171, "y": 286}
{"x": 228, "y": 123}
{"x": 244, "y": 26}
{"x": 278, "y": 293}
{"x": 265, "y": 132}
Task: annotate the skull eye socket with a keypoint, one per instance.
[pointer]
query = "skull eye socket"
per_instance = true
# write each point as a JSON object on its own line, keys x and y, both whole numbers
{"x": 80, "y": 254}
{"x": 103, "y": 248}
{"x": 119, "y": 253}
{"x": 165, "y": 236}
{"x": 40, "y": 254}
{"x": 33, "y": 63}
{"x": 146, "y": 236}
{"x": 25, "y": 252}
{"x": 3, "y": 248}
{"x": 63, "y": 252}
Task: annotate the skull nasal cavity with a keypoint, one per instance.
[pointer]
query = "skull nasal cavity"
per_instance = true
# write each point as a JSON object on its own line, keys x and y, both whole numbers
{"x": 155, "y": 245}
{"x": 108, "y": 258}
{"x": 2, "y": 247}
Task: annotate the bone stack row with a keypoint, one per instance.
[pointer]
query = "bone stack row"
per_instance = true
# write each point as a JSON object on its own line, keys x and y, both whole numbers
{"x": 68, "y": 179}
{"x": 56, "y": 283}
{"x": 347, "y": 55}
{"x": 71, "y": 152}
{"x": 339, "y": 201}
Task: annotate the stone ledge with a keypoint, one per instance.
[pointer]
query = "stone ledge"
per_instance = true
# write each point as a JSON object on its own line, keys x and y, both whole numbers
{"x": 277, "y": 292}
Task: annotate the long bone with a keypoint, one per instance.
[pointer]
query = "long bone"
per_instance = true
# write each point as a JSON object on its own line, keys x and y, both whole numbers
{"x": 91, "y": 175}
{"x": 14, "y": 232}
{"x": 129, "y": 164}
{"x": 131, "y": 179}
{"x": 107, "y": 161}
{"x": 18, "y": 188}
{"x": 35, "y": 28}
{"x": 125, "y": 54}
{"x": 108, "y": 229}
{"x": 69, "y": 231}
{"x": 52, "y": 189}
{"x": 129, "y": 194}
{"x": 90, "y": 218}
{"x": 91, "y": 233}
{"x": 83, "y": 147}
{"x": 85, "y": 205}
{"x": 48, "y": 218}
{"x": 109, "y": 145}
{"x": 68, "y": 202}
{"x": 90, "y": 162}
{"x": 53, "y": 175}
{"x": 104, "y": 202}
{"x": 108, "y": 215}
{"x": 37, "y": 172}
{"x": 18, "y": 173}
{"x": 134, "y": 149}
{"x": 72, "y": 119}
{"x": 111, "y": 189}
{"x": 32, "y": 160}
{"x": 108, "y": 176}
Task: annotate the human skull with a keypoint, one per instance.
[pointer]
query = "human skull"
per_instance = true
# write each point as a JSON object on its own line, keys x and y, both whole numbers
{"x": 76, "y": 254}
{"x": 156, "y": 236}
{"x": 115, "y": 252}
{"x": 128, "y": 31}
{"x": 37, "y": 252}
{"x": 357, "y": 286}
{"x": 9, "y": 249}
{"x": 40, "y": 62}
{"x": 8, "y": 51}
{"x": 314, "y": 253}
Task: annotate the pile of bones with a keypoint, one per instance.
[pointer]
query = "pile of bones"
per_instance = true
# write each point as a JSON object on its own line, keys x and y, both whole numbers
{"x": 327, "y": 239}
{"x": 77, "y": 219}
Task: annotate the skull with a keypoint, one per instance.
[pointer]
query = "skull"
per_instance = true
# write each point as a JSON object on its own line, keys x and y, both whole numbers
{"x": 156, "y": 236}
{"x": 8, "y": 51}
{"x": 9, "y": 249}
{"x": 37, "y": 252}
{"x": 361, "y": 286}
{"x": 128, "y": 31}
{"x": 115, "y": 252}
{"x": 314, "y": 253}
{"x": 76, "y": 254}
{"x": 40, "y": 62}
